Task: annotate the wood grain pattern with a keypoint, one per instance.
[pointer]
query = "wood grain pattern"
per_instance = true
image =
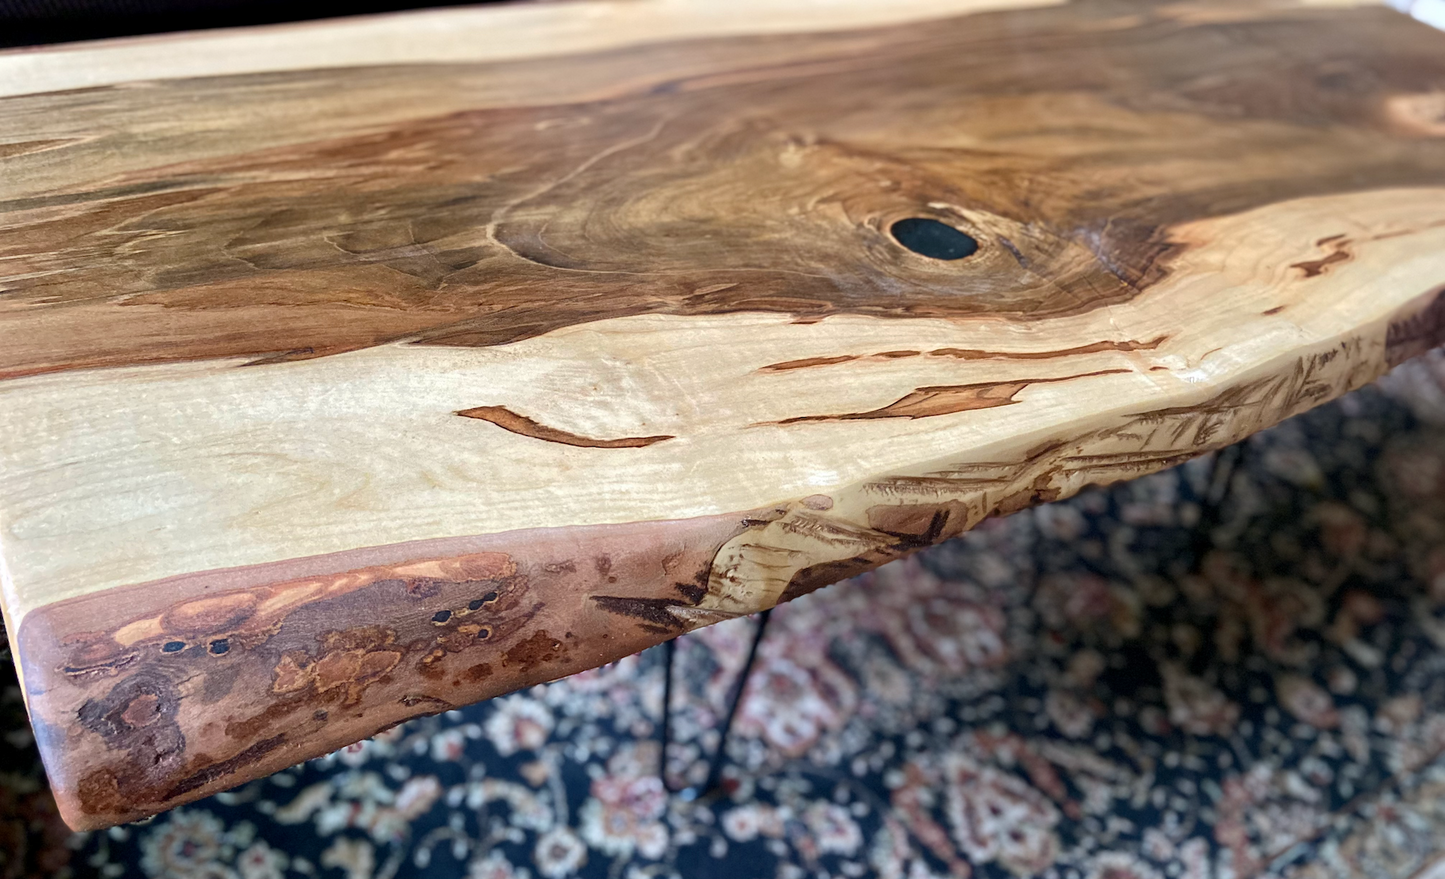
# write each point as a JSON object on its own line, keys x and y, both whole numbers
{"x": 338, "y": 388}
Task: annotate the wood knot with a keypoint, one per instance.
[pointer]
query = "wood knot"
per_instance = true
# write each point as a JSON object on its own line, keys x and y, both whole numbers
{"x": 934, "y": 239}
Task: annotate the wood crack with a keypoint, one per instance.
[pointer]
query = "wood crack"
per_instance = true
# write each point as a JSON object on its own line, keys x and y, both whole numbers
{"x": 968, "y": 354}
{"x": 934, "y": 400}
{"x": 508, "y": 420}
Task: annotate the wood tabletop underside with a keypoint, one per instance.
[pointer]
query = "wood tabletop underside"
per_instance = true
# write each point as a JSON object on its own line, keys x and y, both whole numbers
{"x": 356, "y": 371}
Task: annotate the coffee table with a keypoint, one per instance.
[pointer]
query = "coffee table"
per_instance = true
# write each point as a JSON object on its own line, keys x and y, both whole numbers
{"x": 359, "y": 370}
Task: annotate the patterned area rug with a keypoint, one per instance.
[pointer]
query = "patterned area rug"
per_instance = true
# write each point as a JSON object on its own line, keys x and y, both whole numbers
{"x": 1162, "y": 679}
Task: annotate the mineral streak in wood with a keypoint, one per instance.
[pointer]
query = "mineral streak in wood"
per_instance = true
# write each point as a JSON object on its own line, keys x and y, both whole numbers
{"x": 338, "y": 388}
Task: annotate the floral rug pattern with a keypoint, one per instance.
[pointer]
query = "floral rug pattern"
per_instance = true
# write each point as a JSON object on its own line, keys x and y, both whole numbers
{"x": 1161, "y": 680}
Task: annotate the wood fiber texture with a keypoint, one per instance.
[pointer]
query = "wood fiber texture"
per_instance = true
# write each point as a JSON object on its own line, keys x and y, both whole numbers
{"x": 334, "y": 392}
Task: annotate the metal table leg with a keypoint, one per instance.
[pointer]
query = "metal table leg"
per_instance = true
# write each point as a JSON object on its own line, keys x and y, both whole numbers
{"x": 719, "y": 756}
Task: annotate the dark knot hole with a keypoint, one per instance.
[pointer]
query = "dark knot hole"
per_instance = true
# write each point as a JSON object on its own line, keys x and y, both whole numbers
{"x": 935, "y": 240}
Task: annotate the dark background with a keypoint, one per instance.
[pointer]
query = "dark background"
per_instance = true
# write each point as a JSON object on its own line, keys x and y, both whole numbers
{"x": 36, "y": 22}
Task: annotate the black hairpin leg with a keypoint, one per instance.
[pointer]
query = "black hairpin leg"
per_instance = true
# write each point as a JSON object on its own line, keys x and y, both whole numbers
{"x": 719, "y": 756}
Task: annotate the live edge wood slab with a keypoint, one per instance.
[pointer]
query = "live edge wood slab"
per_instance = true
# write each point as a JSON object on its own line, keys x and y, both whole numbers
{"x": 356, "y": 371}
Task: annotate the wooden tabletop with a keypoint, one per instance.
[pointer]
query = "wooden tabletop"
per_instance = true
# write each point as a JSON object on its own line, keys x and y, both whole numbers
{"x": 359, "y": 370}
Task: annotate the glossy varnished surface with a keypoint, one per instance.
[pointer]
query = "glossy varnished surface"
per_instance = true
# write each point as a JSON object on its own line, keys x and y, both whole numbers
{"x": 696, "y": 178}
{"x": 336, "y": 393}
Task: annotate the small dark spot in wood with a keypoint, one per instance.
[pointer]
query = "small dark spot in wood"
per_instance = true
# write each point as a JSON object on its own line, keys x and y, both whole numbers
{"x": 538, "y": 649}
{"x": 173, "y": 646}
{"x": 479, "y": 672}
{"x": 490, "y": 596}
{"x": 319, "y": 714}
{"x": 935, "y": 240}
{"x": 441, "y": 616}
{"x": 474, "y": 604}
{"x": 484, "y": 633}
{"x": 1276, "y": 310}
{"x": 220, "y": 646}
